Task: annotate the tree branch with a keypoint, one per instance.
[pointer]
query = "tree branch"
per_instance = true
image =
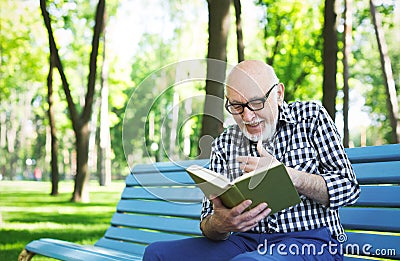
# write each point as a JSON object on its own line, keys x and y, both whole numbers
{"x": 57, "y": 61}
{"x": 98, "y": 28}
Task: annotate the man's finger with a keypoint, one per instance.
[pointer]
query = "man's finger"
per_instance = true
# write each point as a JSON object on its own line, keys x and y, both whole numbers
{"x": 244, "y": 163}
{"x": 261, "y": 150}
{"x": 255, "y": 220}
{"x": 243, "y": 159}
{"x": 217, "y": 203}
{"x": 239, "y": 209}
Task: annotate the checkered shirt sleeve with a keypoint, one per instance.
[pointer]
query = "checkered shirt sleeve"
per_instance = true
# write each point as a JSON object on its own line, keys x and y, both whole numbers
{"x": 335, "y": 167}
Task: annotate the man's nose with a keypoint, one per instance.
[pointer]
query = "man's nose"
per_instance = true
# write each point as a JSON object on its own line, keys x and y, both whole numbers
{"x": 247, "y": 114}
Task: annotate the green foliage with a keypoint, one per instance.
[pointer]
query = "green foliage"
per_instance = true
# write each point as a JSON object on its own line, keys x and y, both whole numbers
{"x": 286, "y": 34}
{"x": 22, "y": 77}
{"x": 293, "y": 43}
{"x": 19, "y": 40}
{"x": 292, "y": 38}
{"x": 366, "y": 67}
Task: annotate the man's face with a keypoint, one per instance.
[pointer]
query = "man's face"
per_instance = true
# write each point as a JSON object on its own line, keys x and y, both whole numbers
{"x": 258, "y": 124}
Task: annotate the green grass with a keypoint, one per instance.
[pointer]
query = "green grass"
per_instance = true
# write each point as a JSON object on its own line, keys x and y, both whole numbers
{"x": 28, "y": 212}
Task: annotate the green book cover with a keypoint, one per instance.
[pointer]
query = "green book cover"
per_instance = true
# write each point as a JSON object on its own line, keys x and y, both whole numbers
{"x": 271, "y": 185}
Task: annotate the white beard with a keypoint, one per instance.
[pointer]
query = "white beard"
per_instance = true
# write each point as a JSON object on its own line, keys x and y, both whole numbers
{"x": 266, "y": 134}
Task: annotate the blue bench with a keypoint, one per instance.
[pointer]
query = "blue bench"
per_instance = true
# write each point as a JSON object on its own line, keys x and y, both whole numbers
{"x": 373, "y": 223}
{"x": 160, "y": 202}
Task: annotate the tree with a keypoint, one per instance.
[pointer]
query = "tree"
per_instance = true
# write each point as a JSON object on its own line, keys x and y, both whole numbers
{"x": 218, "y": 25}
{"x": 53, "y": 130}
{"x": 80, "y": 121}
{"x": 366, "y": 73}
{"x": 330, "y": 58}
{"x": 104, "y": 140}
{"x": 391, "y": 100}
{"x": 347, "y": 39}
{"x": 239, "y": 30}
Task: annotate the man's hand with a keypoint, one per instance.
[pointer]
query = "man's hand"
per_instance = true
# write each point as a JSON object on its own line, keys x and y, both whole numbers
{"x": 250, "y": 163}
{"x": 310, "y": 185}
{"x": 223, "y": 221}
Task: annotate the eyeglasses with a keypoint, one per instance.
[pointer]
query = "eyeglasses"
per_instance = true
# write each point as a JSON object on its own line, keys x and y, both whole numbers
{"x": 253, "y": 105}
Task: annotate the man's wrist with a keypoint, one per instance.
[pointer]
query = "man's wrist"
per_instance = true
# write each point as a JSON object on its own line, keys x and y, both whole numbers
{"x": 210, "y": 231}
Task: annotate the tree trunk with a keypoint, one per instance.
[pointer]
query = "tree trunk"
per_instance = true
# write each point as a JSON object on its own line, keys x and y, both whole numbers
{"x": 388, "y": 80}
{"x": 104, "y": 149}
{"x": 330, "y": 58}
{"x": 212, "y": 122}
{"x": 79, "y": 122}
{"x": 81, "y": 192}
{"x": 53, "y": 130}
{"x": 347, "y": 40}
{"x": 275, "y": 50}
{"x": 3, "y": 129}
{"x": 11, "y": 133}
{"x": 239, "y": 30}
{"x": 173, "y": 153}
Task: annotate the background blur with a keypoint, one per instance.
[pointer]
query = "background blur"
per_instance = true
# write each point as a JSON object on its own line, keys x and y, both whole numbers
{"x": 139, "y": 38}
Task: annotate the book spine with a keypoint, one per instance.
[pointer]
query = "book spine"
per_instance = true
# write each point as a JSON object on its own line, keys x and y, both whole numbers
{"x": 232, "y": 197}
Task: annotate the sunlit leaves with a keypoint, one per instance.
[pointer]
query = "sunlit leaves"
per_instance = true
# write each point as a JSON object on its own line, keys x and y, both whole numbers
{"x": 292, "y": 32}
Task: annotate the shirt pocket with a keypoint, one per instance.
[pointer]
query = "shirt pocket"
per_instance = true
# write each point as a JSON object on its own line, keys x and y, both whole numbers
{"x": 302, "y": 158}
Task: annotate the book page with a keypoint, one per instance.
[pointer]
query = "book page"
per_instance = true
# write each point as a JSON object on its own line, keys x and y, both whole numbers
{"x": 210, "y": 176}
{"x": 255, "y": 172}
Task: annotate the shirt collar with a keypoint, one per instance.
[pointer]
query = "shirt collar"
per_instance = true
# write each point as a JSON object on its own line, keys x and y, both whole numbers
{"x": 285, "y": 113}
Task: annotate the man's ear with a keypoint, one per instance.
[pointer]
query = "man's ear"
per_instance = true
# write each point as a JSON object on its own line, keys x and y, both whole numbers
{"x": 281, "y": 93}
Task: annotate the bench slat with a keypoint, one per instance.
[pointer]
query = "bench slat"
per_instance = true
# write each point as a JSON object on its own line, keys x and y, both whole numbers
{"x": 352, "y": 258}
{"x": 133, "y": 248}
{"x": 175, "y": 225}
{"x": 64, "y": 250}
{"x": 190, "y": 210}
{"x": 174, "y": 178}
{"x": 187, "y": 194}
{"x": 390, "y": 152}
{"x": 379, "y": 196}
{"x": 167, "y": 166}
{"x": 378, "y": 172}
{"x": 377, "y": 219}
{"x": 362, "y": 243}
{"x": 140, "y": 236}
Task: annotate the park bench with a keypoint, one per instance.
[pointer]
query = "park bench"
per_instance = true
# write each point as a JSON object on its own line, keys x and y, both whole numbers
{"x": 160, "y": 202}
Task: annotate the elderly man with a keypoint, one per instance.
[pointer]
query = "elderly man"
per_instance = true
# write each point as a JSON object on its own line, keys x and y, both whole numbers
{"x": 302, "y": 136}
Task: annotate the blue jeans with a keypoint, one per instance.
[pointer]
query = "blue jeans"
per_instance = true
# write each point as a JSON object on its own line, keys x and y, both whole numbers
{"x": 315, "y": 244}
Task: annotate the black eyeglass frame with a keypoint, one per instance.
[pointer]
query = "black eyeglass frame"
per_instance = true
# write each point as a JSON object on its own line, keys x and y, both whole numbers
{"x": 243, "y": 105}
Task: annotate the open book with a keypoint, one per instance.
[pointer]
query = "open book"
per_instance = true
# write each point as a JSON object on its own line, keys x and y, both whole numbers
{"x": 271, "y": 185}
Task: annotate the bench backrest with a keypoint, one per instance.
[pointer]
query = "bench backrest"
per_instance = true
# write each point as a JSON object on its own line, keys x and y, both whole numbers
{"x": 373, "y": 223}
{"x": 160, "y": 202}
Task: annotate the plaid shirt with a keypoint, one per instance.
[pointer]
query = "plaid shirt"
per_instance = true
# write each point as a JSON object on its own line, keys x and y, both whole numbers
{"x": 307, "y": 140}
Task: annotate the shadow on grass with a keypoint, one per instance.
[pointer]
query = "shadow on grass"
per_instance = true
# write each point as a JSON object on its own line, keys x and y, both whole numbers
{"x": 71, "y": 219}
{"x": 74, "y": 235}
{"x": 17, "y": 239}
{"x": 38, "y": 199}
